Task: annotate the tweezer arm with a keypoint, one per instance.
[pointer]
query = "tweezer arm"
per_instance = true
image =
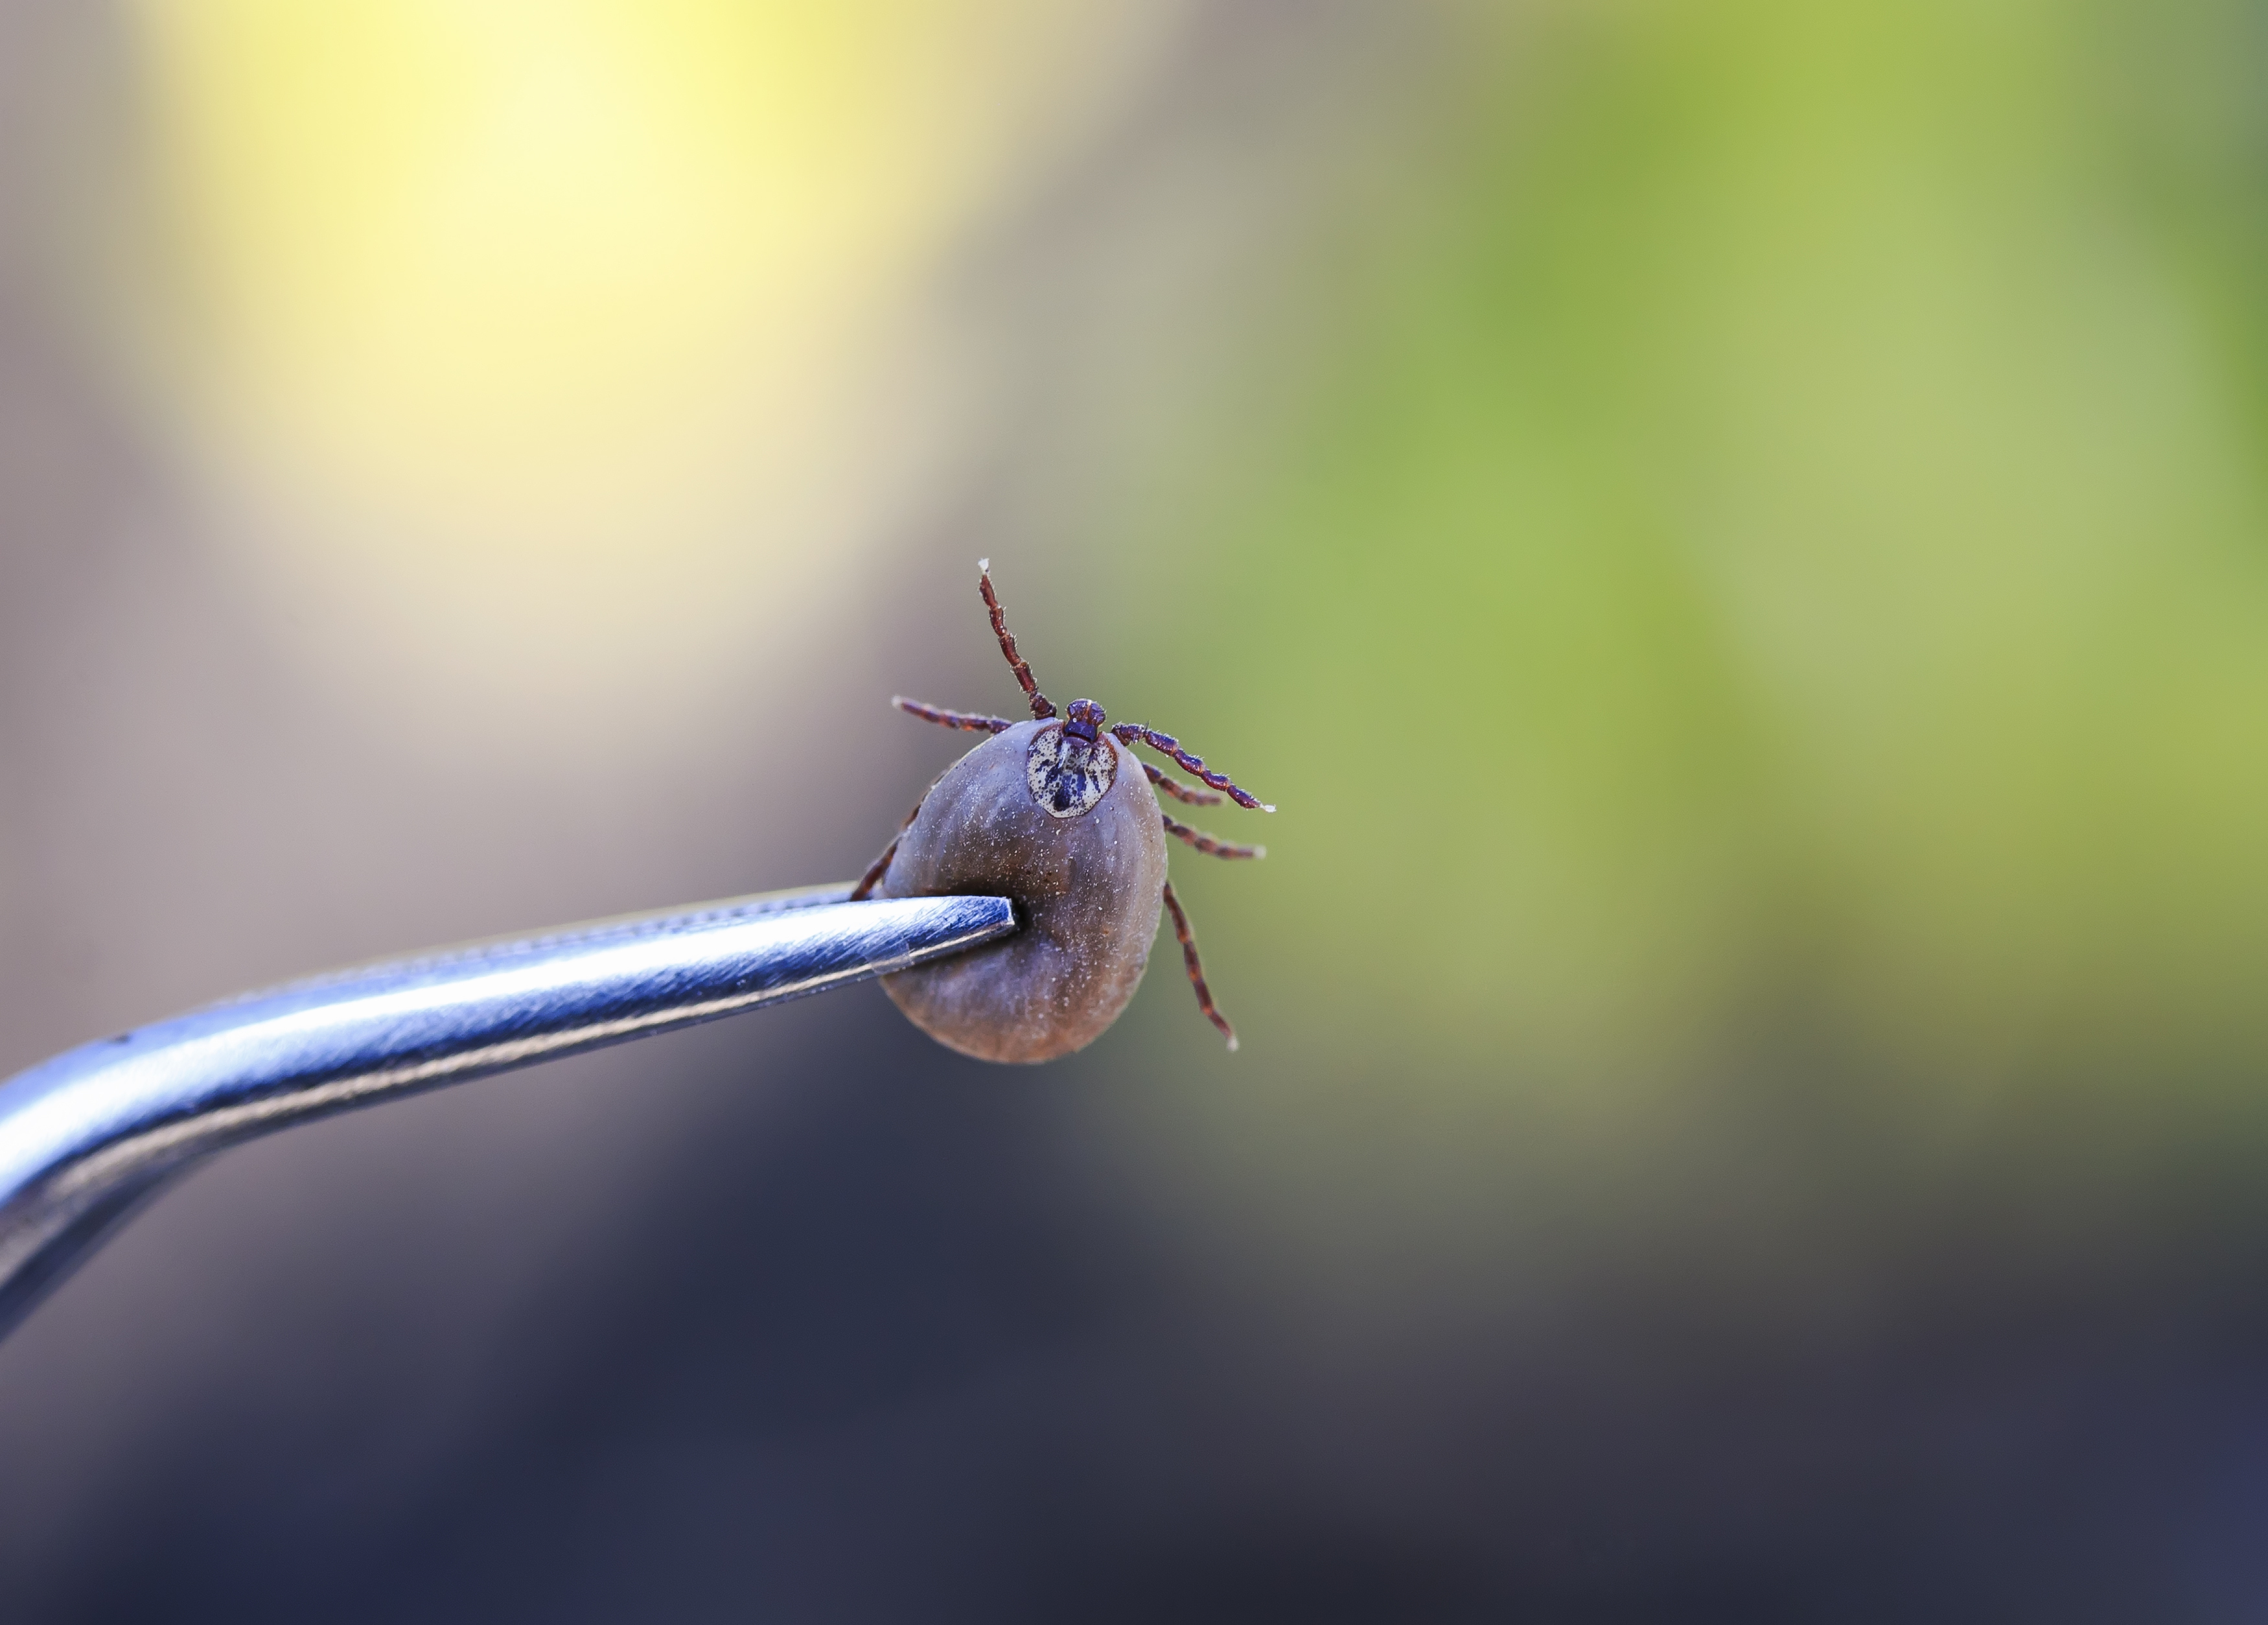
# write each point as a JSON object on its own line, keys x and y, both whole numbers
{"x": 86, "y": 1136}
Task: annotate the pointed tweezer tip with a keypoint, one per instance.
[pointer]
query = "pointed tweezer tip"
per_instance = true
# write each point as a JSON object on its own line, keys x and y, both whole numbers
{"x": 73, "y": 1161}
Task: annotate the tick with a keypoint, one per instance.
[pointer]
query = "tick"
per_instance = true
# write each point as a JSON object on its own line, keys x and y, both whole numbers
{"x": 1048, "y": 813}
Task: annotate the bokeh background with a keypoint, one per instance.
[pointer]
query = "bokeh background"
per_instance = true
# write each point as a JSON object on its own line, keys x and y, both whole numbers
{"x": 1735, "y": 530}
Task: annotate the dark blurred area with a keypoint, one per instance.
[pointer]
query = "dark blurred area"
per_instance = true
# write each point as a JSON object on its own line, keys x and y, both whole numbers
{"x": 1734, "y": 534}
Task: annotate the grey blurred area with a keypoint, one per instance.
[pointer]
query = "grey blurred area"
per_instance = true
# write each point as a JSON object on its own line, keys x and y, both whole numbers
{"x": 799, "y": 1317}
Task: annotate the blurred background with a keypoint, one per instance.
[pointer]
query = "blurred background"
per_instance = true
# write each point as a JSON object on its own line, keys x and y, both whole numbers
{"x": 1736, "y": 533}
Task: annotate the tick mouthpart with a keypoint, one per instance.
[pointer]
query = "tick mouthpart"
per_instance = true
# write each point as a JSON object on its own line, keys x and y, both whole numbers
{"x": 1084, "y": 720}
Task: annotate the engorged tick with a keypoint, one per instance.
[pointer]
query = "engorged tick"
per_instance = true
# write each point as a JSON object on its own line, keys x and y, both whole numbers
{"x": 1040, "y": 813}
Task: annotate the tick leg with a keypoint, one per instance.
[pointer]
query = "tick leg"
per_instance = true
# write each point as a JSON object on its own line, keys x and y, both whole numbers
{"x": 1135, "y": 733}
{"x": 880, "y": 867}
{"x": 1196, "y": 971}
{"x": 973, "y": 723}
{"x": 1041, "y": 707}
{"x": 1207, "y": 845}
{"x": 1179, "y": 791}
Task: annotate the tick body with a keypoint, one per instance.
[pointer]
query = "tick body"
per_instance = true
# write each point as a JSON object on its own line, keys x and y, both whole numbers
{"x": 1087, "y": 887}
{"x": 1057, "y": 814}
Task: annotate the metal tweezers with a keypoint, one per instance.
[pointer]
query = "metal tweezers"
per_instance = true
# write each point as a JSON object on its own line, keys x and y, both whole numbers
{"x": 86, "y": 1138}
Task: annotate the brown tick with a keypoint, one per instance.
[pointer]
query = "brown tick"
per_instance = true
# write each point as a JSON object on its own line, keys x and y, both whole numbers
{"x": 1040, "y": 814}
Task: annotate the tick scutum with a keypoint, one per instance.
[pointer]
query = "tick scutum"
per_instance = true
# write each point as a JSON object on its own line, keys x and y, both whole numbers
{"x": 1068, "y": 774}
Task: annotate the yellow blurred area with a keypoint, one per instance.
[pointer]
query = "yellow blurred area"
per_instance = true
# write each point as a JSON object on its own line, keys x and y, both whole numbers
{"x": 501, "y": 304}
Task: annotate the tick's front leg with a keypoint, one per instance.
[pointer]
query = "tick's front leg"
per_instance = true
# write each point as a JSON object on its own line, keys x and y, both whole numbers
{"x": 969, "y": 720}
{"x": 1135, "y": 733}
{"x": 1042, "y": 706}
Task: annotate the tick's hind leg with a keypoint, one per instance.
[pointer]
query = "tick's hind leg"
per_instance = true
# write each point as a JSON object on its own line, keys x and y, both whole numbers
{"x": 967, "y": 719}
{"x": 1042, "y": 706}
{"x": 1207, "y": 845}
{"x": 1197, "y": 971}
{"x": 880, "y": 867}
{"x": 1181, "y": 792}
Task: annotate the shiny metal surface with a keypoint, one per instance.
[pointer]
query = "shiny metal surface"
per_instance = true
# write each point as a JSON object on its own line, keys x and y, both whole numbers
{"x": 87, "y": 1136}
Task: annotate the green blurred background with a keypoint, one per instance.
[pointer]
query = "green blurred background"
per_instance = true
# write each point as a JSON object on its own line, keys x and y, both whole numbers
{"x": 1733, "y": 532}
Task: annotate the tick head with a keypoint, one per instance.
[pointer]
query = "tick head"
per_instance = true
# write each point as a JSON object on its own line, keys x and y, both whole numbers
{"x": 1084, "y": 720}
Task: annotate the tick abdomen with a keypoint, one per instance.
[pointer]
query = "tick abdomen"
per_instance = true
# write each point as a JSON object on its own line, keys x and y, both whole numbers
{"x": 1087, "y": 890}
